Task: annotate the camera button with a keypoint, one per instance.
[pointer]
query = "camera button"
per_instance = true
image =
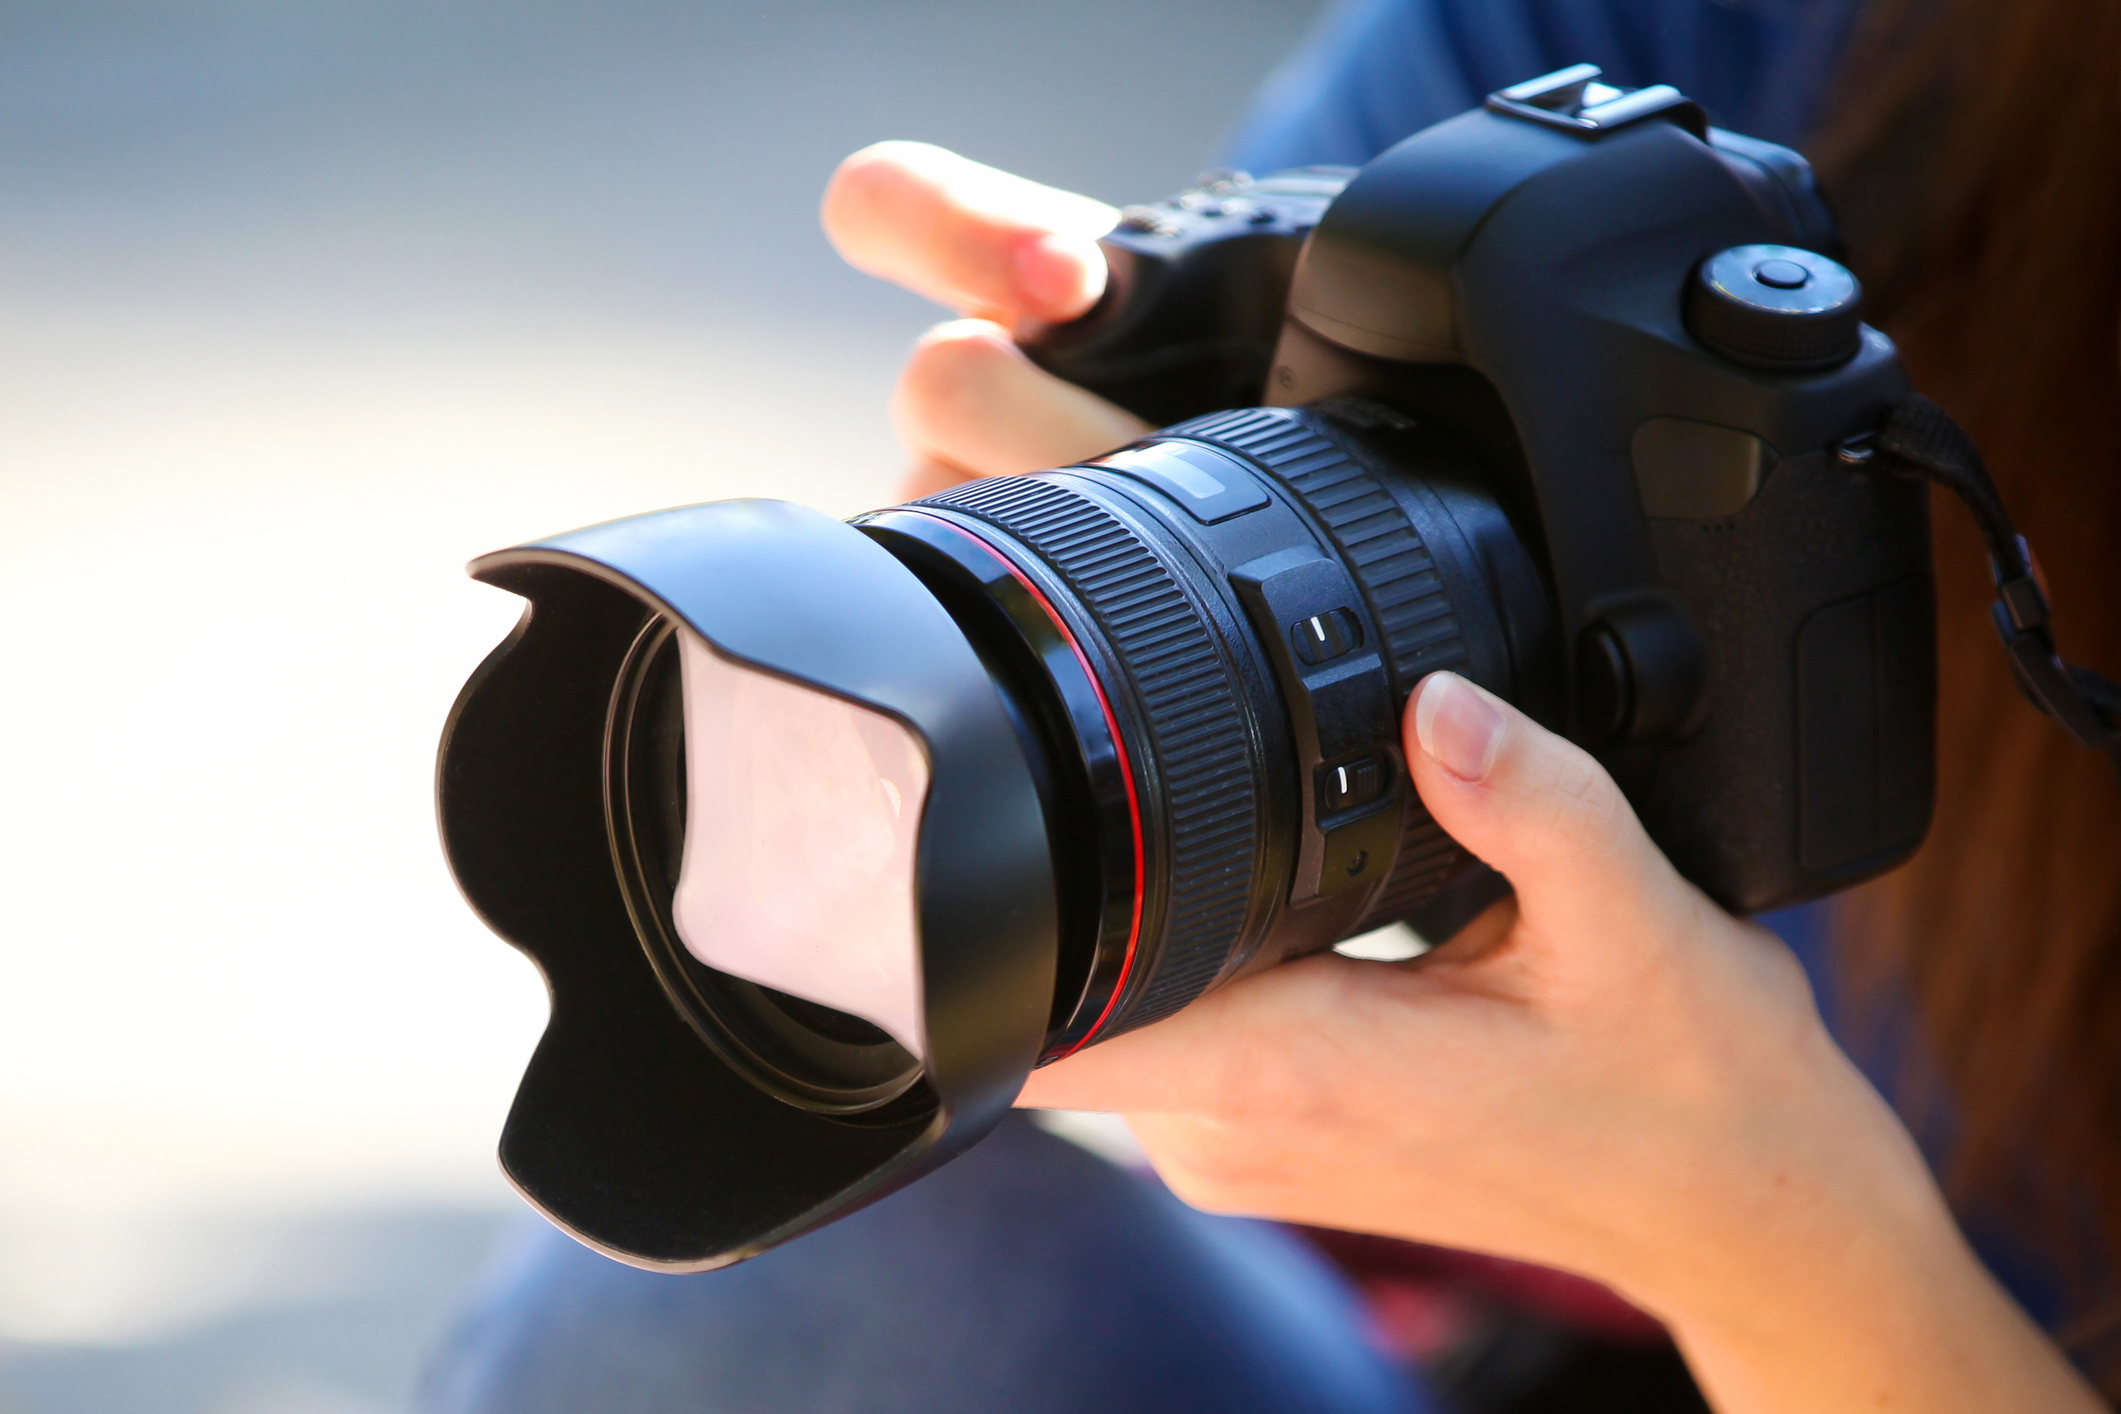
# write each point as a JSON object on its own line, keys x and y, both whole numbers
{"x": 1782, "y": 274}
{"x": 1323, "y": 637}
{"x": 1776, "y": 307}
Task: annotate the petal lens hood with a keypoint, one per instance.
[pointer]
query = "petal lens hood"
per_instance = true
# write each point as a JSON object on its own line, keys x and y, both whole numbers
{"x": 632, "y": 1130}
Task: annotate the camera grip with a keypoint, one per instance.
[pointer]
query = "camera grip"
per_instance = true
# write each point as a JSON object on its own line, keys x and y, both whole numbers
{"x": 1193, "y": 303}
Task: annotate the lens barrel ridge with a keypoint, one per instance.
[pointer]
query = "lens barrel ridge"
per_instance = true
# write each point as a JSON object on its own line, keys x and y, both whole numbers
{"x": 1424, "y": 626}
{"x": 1392, "y": 564}
{"x": 1253, "y": 845}
{"x": 1201, "y": 781}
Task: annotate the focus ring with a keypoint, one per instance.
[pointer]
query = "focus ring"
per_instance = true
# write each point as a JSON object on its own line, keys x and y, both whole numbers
{"x": 1190, "y": 702}
{"x": 1407, "y": 597}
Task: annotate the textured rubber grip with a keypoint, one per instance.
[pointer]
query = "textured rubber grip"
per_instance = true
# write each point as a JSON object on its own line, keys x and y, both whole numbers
{"x": 1189, "y": 698}
{"x": 1407, "y": 597}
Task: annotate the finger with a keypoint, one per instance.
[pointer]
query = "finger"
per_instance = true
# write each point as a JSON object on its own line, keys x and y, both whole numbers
{"x": 967, "y": 235}
{"x": 1221, "y": 1051}
{"x": 970, "y": 399}
{"x": 1114, "y": 1078}
{"x": 1534, "y": 807}
{"x": 1172, "y": 1067}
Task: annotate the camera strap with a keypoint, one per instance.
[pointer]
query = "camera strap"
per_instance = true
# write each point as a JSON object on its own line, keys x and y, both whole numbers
{"x": 1919, "y": 439}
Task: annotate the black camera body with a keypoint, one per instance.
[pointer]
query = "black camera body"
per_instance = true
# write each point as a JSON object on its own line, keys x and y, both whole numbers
{"x": 1742, "y": 622}
{"x": 825, "y": 834}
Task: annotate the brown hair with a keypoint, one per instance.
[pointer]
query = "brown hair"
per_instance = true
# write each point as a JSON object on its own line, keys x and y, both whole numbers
{"x": 1976, "y": 148}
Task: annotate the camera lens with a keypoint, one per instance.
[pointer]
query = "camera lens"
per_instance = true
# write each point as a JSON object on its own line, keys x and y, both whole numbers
{"x": 764, "y": 833}
{"x": 1205, "y": 641}
{"x": 905, "y": 806}
{"x": 825, "y": 835}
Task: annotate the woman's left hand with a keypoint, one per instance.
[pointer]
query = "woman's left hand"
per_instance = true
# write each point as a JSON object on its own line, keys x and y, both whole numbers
{"x": 1607, "y": 1074}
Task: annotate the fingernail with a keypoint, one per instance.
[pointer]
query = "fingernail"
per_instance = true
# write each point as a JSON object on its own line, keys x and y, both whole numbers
{"x": 1457, "y": 725}
{"x": 1055, "y": 279}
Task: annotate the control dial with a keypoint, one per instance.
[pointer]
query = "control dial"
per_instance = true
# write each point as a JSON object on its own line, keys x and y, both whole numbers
{"x": 1776, "y": 307}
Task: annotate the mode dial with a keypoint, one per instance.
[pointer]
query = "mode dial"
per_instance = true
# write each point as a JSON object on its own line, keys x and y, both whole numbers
{"x": 1775, "y": 306}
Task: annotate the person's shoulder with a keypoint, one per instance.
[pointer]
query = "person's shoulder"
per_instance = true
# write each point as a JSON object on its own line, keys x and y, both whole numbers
{"x": 1370, "y": 72}
{"x": 1373, "y": 71}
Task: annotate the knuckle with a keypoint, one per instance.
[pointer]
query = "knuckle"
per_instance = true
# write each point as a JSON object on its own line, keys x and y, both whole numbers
{"x": 952, "y": 346}
{"x": 947, "y": 367}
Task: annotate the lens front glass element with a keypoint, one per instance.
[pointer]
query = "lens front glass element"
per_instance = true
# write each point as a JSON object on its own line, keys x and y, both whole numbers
{"x": 799, "y": 855}
{"x": 767, "y": 833}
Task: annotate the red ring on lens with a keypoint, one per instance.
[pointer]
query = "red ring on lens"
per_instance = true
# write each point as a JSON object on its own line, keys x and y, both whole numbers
{"x": 1119, "y": 750}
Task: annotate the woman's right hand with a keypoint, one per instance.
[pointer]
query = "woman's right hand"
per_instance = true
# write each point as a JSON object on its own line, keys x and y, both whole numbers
{"x": 1001, "y": 251}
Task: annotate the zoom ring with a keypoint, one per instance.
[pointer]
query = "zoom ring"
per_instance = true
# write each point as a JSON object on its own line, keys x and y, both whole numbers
{"x": 1399, "y": 580}
{"x": 1190, "y": 702}
{"x": 1397, "y": 574}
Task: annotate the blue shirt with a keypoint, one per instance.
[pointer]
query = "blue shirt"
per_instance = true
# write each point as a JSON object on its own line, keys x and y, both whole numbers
{"x": 1374, "y": 71}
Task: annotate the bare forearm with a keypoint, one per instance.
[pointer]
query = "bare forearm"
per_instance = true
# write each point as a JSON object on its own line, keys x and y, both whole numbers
{"x": 1909, "y": 1322}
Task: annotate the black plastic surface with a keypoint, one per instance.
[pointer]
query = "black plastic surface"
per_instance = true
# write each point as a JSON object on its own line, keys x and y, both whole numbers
{"x": 1776, "y": 307}
{"x": 1194, "y": 300}
{"x": 1195, "y": 755}
{"x": 1519, "y": 286}
{"x": 1551, "y": 270}
{"x": 1162, "y": 693}
{"x": 628, "y": 1129}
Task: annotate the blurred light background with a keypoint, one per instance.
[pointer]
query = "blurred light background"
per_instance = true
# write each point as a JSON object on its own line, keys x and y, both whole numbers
{"x": 302, "y": 304}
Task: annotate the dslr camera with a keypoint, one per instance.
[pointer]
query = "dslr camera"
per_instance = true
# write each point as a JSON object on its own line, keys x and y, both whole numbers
{"x": 825, "y": 834}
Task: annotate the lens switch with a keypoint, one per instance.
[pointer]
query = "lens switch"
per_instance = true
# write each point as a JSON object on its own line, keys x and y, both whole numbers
{"x": 1350, "y": 784}
{"x": 1323, "y": 637}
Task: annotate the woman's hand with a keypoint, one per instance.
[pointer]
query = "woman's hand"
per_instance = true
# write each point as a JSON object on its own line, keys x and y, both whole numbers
{"x": 1606, "y": 1074}
{"x": 1000, "y": 250}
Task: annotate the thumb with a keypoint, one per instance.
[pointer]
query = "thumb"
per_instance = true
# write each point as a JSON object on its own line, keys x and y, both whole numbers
{"x": 1532, "y": 806}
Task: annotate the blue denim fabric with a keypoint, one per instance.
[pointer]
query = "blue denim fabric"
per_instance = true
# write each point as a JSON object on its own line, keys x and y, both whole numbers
{"x": 1026, "y": 1277}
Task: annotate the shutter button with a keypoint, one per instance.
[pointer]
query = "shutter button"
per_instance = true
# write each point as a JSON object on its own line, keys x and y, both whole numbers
{"x": 1781, "y": 274}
